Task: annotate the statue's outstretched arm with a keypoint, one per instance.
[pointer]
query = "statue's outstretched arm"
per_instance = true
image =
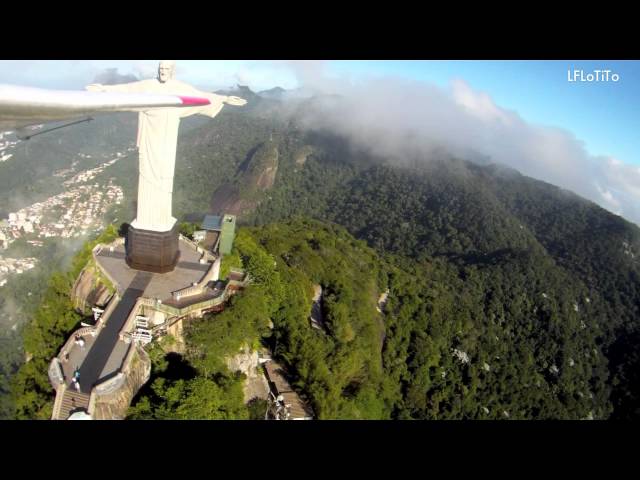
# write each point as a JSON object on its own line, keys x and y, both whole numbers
{"x": 217, "y": 102}
{"x": 237, "y": 101}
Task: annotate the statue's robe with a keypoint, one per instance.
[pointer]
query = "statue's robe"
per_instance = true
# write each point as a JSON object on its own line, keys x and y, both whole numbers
{"x": 157, "y": 141}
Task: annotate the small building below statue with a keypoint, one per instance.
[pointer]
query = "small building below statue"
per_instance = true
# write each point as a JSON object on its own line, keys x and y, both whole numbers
{"x": 219, "y": 232}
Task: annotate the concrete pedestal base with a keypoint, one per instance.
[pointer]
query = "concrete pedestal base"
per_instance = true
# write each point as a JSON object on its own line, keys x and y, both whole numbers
{"x": 151, "y": 251}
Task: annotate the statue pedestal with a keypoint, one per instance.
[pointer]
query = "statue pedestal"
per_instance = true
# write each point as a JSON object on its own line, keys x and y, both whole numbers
{"x": 151, "y": 251}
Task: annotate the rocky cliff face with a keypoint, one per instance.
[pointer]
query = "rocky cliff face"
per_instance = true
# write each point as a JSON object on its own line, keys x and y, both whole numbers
{"x": 178, "y": 345}
{"x": 90, "y": 290}
{"x": 114, "y": 402}
{"x": 255, "y": 177}
{"x": 246, "y": 361}
{"x": 300, "y": 157}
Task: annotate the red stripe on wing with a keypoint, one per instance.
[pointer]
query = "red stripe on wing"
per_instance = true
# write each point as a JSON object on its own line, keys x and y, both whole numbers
{"x": 194, "y": 101}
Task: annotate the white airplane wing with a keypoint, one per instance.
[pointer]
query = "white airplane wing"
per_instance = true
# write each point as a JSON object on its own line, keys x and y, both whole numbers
{"x": 22, "y": 106}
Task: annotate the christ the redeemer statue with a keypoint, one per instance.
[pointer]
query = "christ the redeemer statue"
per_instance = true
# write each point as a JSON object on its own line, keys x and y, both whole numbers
{"x": 152, "y": 240}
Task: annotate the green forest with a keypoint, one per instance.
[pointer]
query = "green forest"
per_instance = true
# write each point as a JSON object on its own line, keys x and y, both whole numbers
{"x": 481, "y": 342}
{"x": 53, "y": 320}
{"x": 558, "y": 272}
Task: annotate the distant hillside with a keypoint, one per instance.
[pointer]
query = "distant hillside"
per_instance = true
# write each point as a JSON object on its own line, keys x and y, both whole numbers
{"x": 275, "y": 93}
{"x": 28, "y": 176}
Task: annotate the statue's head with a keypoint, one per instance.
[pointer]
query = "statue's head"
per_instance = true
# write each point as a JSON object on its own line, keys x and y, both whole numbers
{"x": 166, "y": 70}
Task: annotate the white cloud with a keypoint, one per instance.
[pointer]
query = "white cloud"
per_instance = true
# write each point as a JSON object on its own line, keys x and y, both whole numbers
{"x": 477, "y": 103}
{"x": 396, "y": 117}
{"x": 609, "y": 199}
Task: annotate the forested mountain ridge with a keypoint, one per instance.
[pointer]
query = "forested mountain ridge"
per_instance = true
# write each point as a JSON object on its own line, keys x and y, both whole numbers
{"x": 453, "y": 341}
{"x": 491, "y": 219}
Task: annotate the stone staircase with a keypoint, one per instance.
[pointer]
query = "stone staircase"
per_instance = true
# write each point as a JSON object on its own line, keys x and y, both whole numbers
{"x": 72, "y": 400}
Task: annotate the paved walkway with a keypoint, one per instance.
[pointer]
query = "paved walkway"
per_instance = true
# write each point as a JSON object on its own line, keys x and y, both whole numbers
{"x": 189, "y": 265}
{"x": 104, "y": 345}
{"x": 105, "y": 353}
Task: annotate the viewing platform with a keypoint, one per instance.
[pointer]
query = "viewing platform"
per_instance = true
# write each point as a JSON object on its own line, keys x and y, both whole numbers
{"x": 191, "y": 268}
{"x": 146, "y": 304}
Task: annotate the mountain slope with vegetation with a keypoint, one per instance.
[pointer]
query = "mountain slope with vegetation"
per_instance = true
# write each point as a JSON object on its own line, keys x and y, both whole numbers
{"x": 497, "y": 224}
{"x": 500, "y": 339}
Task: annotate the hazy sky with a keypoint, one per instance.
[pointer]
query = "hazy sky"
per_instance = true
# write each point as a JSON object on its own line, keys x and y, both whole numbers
{"x": 579, "y": 135}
